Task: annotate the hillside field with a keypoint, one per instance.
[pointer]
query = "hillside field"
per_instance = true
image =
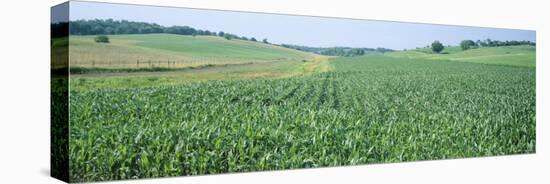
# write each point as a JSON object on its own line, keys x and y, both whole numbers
{"x": 282, "y": 114}
{"x": 504, "y": 55}
{"x": 173, "y": 51}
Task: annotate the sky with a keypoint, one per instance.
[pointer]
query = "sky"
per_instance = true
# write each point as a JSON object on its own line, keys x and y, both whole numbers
{"x": 298, "y": 30}
{"x": 60, "y": 13}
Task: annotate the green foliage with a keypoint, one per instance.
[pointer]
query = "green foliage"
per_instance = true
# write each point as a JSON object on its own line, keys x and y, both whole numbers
{"x": 265, "y": 41}
{"x": 370, "y": 109}
{"x": 227, "y": 36}
{"x": 101, "y": 39}
{"x": 342, "y": 52}
{"x": 163, "y": 47}
{"x": 59, "y": 126}
{"x": 59, "y": 30}
{"x": 437, "y": 47}
{"x": 112, "y": 27}
{"x": 497, "y": 43}
{"x": 467, "y": 44}
{"x": 523, "y": 55}
{"x": 337, "y": 51}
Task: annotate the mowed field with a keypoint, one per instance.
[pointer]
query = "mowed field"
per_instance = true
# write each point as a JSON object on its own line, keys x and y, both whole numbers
{"x": 173, "y": 51}
{"x": 329, "y": 112}
{"x": 166, "y": 59}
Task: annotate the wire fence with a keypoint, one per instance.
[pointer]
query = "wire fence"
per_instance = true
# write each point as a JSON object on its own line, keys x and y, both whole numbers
{"x": 167, "y": 63}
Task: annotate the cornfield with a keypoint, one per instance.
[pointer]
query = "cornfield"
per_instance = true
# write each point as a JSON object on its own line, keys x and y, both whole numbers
{"x": 367, "y": 110}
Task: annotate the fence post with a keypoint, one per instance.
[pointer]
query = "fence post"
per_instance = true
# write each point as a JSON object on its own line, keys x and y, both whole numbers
{"x": 93, "y": 63}
{"x": 137, "y": 63}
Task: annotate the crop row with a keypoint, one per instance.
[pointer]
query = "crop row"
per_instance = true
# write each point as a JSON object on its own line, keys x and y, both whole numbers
{"x": 368, "y": 110}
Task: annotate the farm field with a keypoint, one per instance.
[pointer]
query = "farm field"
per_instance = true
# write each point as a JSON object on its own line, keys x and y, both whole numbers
{"x": 136, "y": 51}
{"x": 359, "y": 110}
{"x": 220, "y": 59}
{"x": 504, "y": 55}
{"x": 150, "y": 91}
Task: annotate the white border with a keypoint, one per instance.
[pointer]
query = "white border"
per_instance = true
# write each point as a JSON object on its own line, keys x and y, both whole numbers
{"x": 24, "y": 96}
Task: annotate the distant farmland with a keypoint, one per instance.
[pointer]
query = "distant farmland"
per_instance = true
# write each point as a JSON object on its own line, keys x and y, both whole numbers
{"x": 174, "y": 51}
{"x": 291, "y": 109}
{"x": 505, "y": 55}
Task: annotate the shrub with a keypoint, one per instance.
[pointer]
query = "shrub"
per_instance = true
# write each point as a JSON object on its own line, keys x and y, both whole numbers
{"x": 467, "y": 44}
{"x": 437, "y": 47}
{"x": 101, "y": 39}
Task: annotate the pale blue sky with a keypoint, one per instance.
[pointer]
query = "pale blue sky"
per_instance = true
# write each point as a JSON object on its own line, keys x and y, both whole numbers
{"x": 299, "y": 30}
{"x": 60, "y": 13}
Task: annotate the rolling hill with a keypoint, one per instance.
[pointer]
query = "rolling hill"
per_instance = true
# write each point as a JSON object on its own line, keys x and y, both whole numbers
{"x": 169, "y": 50}
{"x": 504, "y": 55}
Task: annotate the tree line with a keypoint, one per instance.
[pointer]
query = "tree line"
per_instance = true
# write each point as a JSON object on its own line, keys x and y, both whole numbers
{"x": 437, "y": 46}
{"x": 110, "y": 26}
{"x": 470, "y": 44}
{"x": 337, "y": 51}
{"x": 60, "y": 29}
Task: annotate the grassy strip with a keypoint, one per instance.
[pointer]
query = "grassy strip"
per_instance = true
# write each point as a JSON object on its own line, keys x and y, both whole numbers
{"x": 89, "y": 70}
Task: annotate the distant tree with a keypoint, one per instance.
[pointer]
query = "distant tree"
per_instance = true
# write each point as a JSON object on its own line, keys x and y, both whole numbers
{"x": 113, "y": 27}
{"x": 253, "y": 39}
{"x": 337, "y": 51}
{"x": 479, "y": 43}
{"x": 383, "y": 50}
{"x": 360, "y": 52}
{"x": 483, "y": 44}
{"x": 467, "y": 44}
{"x": 60, "y": 29}
{"x": 437, "y": 47}
{"x": 97, "y": 30}
{"x": 181, "y": 30}
{"x": 265, "y": 41}
{"x": 101, "y": 39}
{"x": 227, "y": 36}
{"x": 109, "y": 30}
{"x": 489, "y": 42}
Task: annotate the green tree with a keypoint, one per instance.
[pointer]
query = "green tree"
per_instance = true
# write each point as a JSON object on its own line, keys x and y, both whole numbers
{"x": 489, "y": 42}
{"x": 467, "y": 44}
{"x": 265, "y": 41}
{"x": 101, "y": 39}
{"x": 253, "y": 39}
{"x": 437, "y": 47}
{"x": 227, "y": 36}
